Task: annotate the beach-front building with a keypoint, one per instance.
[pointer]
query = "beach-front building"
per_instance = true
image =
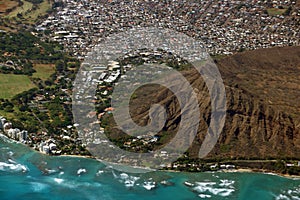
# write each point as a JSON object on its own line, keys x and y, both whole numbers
{"x": 2, "y": 122}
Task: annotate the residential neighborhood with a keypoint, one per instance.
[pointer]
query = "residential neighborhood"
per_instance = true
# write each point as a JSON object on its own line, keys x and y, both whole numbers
{"x": 224, "y": 26}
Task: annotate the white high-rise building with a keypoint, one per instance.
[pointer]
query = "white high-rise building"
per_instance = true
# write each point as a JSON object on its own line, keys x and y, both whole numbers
{"x": 1, "y": 125}
{"x": 14, "y": 133}
{"x": 2, "y": 122}
{"x": 23, "y": 135}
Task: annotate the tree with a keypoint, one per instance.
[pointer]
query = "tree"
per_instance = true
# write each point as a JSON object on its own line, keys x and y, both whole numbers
{"x": 60, "y": 66}
{"x": 288, "y": 11}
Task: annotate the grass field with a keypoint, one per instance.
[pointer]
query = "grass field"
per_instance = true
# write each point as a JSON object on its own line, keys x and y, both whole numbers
{"x": 22, "y": 9}
{"x": 11, "y": 84}
{"x": 30, "y": 14}
{"x": 43, "y": 71}
{"x": 41, "y": 10}
{"x": 275, "y": 11}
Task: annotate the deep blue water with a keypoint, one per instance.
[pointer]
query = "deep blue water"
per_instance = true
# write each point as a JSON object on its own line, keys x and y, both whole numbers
{"x": 26, "y": 174}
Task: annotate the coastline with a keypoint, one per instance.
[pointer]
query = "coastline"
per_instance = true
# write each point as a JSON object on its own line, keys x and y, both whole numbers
{"x": 245, "y": 170}
{"x": 140, "y": 169}
{"x": 255, "y": 170}
{"x": 75, "y": 156}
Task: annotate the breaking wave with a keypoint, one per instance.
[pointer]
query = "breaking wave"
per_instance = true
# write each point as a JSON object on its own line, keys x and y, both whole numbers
{"x": 13, "y": 167}
{"x": 206, "y": 189}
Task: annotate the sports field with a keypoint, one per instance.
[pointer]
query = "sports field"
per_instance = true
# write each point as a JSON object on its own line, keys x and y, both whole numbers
{"x": 11, "y": 84}
{"x": 43, "y": 71}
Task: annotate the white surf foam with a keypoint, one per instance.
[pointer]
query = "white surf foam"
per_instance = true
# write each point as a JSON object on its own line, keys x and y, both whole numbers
{"x": 149, "y": 185}
{"x": 58, "y": 180}
{"x": 206, "y": 183}
{"x": 124, "y": 176}
{"x": 12, "y": 161}
{"x": 73, "y": 184}
{"x": 81, "y": 171}
{"x": 291, "y": 194}
{"x": 99, "y": 172}
{"x": 282, "y": 197}
{"x": 129, "y": 183}
{"x": 226, "y": 183}
{"x": 12, "y": 167}
{"x": 224, "y": 188}
{"x": 204, "y": 196}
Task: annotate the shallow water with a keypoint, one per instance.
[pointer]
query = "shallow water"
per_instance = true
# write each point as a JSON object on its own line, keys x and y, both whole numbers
{"x": 26, "y": 174}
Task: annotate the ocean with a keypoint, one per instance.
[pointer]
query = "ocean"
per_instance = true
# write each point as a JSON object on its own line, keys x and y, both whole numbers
{"x": 26, "y": 174}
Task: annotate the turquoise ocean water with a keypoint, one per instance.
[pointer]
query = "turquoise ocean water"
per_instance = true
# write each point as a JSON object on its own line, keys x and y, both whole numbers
{"x": 26, "y": 174}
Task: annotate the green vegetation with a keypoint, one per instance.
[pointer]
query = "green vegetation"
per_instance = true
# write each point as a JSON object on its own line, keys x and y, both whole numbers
{"x": 43, "y": 71}
{"x": 40, "y": 10}
{"x": 19, "y": 59}
{"x": 276, "y": 11}
{"x": 218, "y": 57}
{"x": 30, "y": 10}
{"x": 36, "y": 83}
{"x": 41, "y": 63}
{"x": 11, "y": 85}
{"x": 21, "y": 9}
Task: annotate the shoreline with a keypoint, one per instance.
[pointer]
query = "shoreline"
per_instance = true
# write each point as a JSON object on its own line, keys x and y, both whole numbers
{"x": 238, "y": 170}
{"x": 243, "y": 170}
{"x": 262, "y": 171}
{"x": 143, "y": 169}
{"x": 74, "y": 156}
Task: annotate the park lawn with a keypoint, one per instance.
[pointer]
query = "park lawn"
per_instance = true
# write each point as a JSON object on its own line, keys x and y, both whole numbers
{"x": 275, "y": 11}
{"x": 11, "y": 85}
{"x": 40, "y": 11}
{"x": 43, "y": 71}
{"x": 27, "y": 6}
{"x": 29, "y": 14}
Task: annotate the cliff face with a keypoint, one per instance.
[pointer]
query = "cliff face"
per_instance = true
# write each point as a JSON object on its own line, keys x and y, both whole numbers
{"x": 271, "y": 75}
{"x": 262, "y": 118}
{"x": 255, "y": 129}
{"x": 263, "y": 107}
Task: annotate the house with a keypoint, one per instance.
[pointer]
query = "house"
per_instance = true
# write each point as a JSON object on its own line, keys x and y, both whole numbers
{"x": 290, "y": 164}
{"x": 99, "y": 68}
{"x": 213, "y": 167}
{"x": 230, "y": 166}
{"x": 7, "y": 126}
{"x": 44, "y": 147}
{"x": 52, "y": 146}
{"x": 109, "y": 109}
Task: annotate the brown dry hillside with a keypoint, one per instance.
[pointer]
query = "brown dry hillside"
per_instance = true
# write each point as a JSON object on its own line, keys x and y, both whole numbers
{"x": 262, "y": 118}
{"x": 263, "y": 92}
{"x": 271, "y": 75}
